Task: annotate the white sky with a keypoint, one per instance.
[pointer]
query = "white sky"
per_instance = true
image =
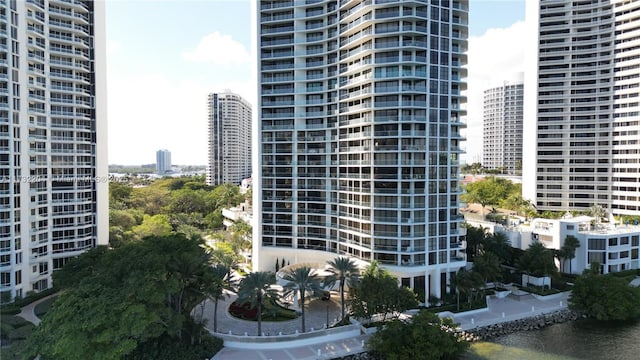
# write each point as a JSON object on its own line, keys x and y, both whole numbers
{"x": 164, "y": 57}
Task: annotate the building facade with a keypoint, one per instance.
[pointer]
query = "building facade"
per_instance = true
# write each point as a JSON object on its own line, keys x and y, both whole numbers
{"x": 502, "y": 127}
{"x": 53, "y": 160}
{"x": 163, "y": 161}
{"x": 358, "y": 138}
{"x": 615, "y": 248}
{"x": 230, "y": 133}
{"x": 581, "y": 101}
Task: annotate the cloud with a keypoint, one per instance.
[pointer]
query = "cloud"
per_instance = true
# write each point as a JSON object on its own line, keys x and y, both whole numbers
{"x": 218, "y": 49}
{"x": 493, "y": 57}
{"x": 147, "y": 112}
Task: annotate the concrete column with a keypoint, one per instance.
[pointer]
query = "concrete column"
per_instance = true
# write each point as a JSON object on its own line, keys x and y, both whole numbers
{"x": 426, "y": 288}
{"x": 448, "y": 280}
{"x": 437, "y": 284}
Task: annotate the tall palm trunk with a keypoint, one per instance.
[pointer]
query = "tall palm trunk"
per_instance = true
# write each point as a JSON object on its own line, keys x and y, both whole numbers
{"x": 341, "y": 299}
{"x": 259, "y": 315}
{"x": 302, "y": 306}
{"x": 215, "y": 316}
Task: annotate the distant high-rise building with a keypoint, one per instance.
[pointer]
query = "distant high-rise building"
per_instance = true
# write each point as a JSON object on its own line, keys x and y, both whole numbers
{"x": 163, "y": 161}
{"x": 502, "y": 127}
{"x": 582, "y": 110}
{"x": 229, "y": 139}
{"x": 359, "y": 118}
{"x": 53, "y": 139}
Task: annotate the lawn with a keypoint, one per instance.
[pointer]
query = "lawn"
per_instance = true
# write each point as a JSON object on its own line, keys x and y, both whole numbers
{"x": 44, "y": 306}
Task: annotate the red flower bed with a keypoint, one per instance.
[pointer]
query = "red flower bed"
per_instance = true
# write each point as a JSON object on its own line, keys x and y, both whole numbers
{"x": 243, "y": 311}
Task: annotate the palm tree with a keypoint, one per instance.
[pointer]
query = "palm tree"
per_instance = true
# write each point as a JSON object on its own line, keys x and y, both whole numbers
{"x": 302, "y": 280}
{"x": 220, "y": 282}
{"x": 458, "y": 283}
{"x": 475, "y": 239}
{"x": 255, "y": 289}
{"x": 598, "y": 212}
{"x": 571, "y": 243}
{"x": 499, "y": 244}
{"x": 464, "y": 282}
{"x": 537, "y": 260}
{"x": 487, "y": 266}
{"x": 344, "y": 270}
{"x": 561, "y": 255}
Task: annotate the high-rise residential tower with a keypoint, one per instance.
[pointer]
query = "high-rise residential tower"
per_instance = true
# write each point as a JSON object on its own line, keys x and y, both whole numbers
{"x": 229, "y": 139}
{"x": 53, "y": 160}
{"x": 582, "y": 104}
{"x": 502, "y": 127}
{"x": 358, "y": 135}
{"x": 163, "y": 161}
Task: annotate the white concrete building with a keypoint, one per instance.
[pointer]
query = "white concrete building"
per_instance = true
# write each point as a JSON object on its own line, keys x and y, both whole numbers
{"x": 360, "y": 108}
{"x": 614, "y": 247}
{"x": 502, "y": 126}
{"x": 581, "y": 102}
{"x": 229, "y": 139}
{"x": 53, "y": 139}
{"x": 163, "y": 161}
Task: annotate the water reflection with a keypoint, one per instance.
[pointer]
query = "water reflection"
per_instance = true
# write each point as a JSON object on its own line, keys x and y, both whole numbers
{"x": 585, "y": 339}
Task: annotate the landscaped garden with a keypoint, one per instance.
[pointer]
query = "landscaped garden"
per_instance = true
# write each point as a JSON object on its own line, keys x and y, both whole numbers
{"x": 13, "y": 332}
{"x": 270, "y": 312}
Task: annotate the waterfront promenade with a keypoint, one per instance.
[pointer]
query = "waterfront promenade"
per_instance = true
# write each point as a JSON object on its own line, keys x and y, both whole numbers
{"x": 511, "y": 308}
{"x": 507, "y": 309}
{"x": 498, "y": 311}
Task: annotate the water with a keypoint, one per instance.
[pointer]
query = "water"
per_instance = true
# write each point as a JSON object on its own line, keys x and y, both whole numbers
{"x": 584, "y": 339}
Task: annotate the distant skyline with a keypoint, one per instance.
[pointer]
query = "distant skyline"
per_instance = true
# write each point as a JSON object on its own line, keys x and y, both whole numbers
{"x": 161, "y": 67}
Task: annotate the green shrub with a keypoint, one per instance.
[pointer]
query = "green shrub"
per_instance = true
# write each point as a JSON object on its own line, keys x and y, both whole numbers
{"x": 32, "y": 296}
{"x": 12, "y": 351}
{"x": 13, "y": 321}
{"x": 5, "y": 330}
{"x": 342, "y": 322}
{"x": 286, "y": 313}
{"x": 22, "y": 332}
{"x": 540, "y": 290}
{"x": 170, "y": 349}
{"x": 627, "y": 273}
{"x": 9, "y": 309}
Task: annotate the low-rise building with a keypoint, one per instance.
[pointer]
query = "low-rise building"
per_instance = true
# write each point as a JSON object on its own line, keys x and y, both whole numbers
{"x": 615, "y": 247}
{"x": 239, "y": 213}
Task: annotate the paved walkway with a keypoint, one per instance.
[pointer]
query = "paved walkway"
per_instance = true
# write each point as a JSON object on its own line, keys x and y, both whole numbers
{"x": 498, "y": 311}
{"x": 316, "y": 314}
{"x": 321, "y": 350}
{"x": 28, "y": 313}
{"x": 511, "y": 308}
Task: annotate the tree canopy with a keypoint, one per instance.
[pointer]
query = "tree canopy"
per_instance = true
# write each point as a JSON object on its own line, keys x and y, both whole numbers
{"x": 305, "y": 282}
{"x": 116, "y": 302}
{"x": 257, "y": 290}
{"x": 568, "y": 250}
{"x": 169, "y": 205}
{"x": 605, "y": 297}
{"x": 490, "y": 191}
{"x": 377, "y": 292}
{"x": 538, "y": 261}
{"x": 343, "y": 270}
{"x": 425, "y": 337}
